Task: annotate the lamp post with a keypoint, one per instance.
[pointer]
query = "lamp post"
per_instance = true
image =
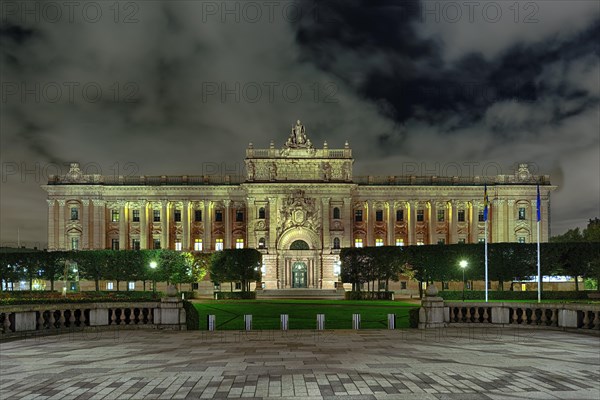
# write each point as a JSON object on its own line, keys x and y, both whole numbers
{"x": 463, "y": 265}
{"x": 153, "y": 265}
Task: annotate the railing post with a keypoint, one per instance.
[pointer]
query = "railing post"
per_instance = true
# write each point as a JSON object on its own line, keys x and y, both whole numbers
{"x": 356, "y": 321}
{"x": 320, "y": 322}
{"x": 248, "y": 322}
{"x": 391, "y": 321}
{"x": 211, "y": 319}
{"x": 284, "y": 318}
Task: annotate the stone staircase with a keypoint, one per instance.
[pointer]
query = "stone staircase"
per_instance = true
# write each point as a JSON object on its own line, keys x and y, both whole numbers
{"x": 300, "y": 293}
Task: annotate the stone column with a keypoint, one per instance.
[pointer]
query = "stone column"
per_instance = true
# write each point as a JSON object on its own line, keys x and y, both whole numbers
{"x": 123, "y": 234}
{"x": 432, "y": 311}
{"x": 474, "y": 222}
{"x": 272, "y": 223}
{"x": 348, "y": 221}
{"x": 143, "y": 225}
{"x": 533, "y": 221}
{"x": 98, "y": 224}
{"x": 432, "y": 222}
{"x": 61, "y": 224}
{"x": 52, "y": 245}
{"x": 85, "y": 224}
{"x": 391, "y": 216}
{"x": 251, "y": 216}
{"x": 206, "y": 222}
{"x": 370, "y": 224}
{"x": 185, "y": 228}
{"x": 227, "y": 238}
{"x": 164, "y": 222}
{"x": 412, "y": 222}
{"x": 102, "y": 219}
{"x": 326, "y": 214}
{"x": 453, "y": 222}
{"x": 510, "y": 214}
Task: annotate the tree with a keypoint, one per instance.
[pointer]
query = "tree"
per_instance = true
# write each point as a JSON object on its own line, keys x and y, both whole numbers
{"x": 236, "y": 265}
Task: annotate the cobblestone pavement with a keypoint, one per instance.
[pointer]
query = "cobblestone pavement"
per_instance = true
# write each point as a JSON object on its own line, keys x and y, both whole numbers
{"x": 462, "y": 364}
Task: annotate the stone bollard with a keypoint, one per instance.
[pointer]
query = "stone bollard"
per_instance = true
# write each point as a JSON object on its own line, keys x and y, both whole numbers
{"x": 211, "y": 323}
{"x": 356, "y": 321}
{"x": 284, "y": 318}
{"x": 391, "y": 318}
{"x": 170, "y": 314}
{"x": 431, "y": 313}
{"x": 248, "y": 322}
{"x": 320, "y": 322}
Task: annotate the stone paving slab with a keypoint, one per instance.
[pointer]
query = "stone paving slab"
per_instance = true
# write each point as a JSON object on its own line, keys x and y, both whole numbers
{"x": 445, "y": 364}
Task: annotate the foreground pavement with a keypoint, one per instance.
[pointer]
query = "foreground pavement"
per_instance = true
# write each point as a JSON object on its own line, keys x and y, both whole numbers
{"x": 481, "y": 363}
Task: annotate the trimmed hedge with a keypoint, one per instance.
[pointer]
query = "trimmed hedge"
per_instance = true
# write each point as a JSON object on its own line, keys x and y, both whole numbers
{"x": 192, "y": 317}
{"x": 413, "y": 318}
{"x": 369, "y": 295}
{"x": 235, "y": 295}
{"x": 512, "y": 295}
{"x": 47, "y": 297}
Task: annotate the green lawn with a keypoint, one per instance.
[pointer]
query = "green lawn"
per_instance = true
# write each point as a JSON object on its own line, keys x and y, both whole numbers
{"x": 302, "y": 313}
{"x": 578, "y": 301}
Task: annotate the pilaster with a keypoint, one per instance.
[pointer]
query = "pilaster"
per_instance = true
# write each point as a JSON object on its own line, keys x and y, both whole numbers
{"x": 326, "y": 214}
{"x": 185, "y": 228}
{"x": 85, "y": 224}
{"x": 228, "y": 228}
{"x": 143, "y": 225}
{"x": 164, "y": 223}
{"x": 391, "y": 215}
{"x": 52, "y": 245}
{"x": 207, "y": 244}
{"x": 61, "y": 224}
{"x": 123, "y": 226}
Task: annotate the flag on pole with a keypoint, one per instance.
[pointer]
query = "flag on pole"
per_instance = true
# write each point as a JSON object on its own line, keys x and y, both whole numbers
{"x": 485, "y": 203}
{"x": 539, "y": 205}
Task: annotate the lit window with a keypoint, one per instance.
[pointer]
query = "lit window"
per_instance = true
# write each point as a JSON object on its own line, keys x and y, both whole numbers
{"x": 198, "y": 215}
{"x": 109, "y": 285}
{"x": 198, "y": 245}
{"x": 178, "y": 246}
{"x": 441, "y": 215}
{"x": 399, "y": 242}
{"x": 400, "y": 215}
{"x": 239, "y": 216}
{"x": 74, "y": 213}
{"x": 131, "y": 285}
{"x": 239, "y": 243}
{"x": 261, "y": 213}
{"x": 114, "y": 215}
{"x": 420, "y": 215}
{"x": 522, "y": 239}
{"x": 441, "y": 241}
{"x": 481, "y": 240}
{"x": 135, "y": 216}
{"x": 177, "y": 216}
{"x": 336, "y": 243}
{"x": 115, "y": 244}
{"x": 135, "y": 244}
{"x": 358, "y": 242}
{"x": 219, "y": 244}
{"x": 74, "y": 243}
{"x": 358, "y": 214}
{"x": 379, "y": 215}
{"x": 218, "y": 215}
{"x": 156, "y": 244}
{"x": 462, "y": 241}
{"x": 378, "y": 242}
{"x": 336, "y": 213}
{"x": 461, "y": 215}
{"x": 156, "y": 215}
{"x": 522, "y": 213}
{"x": 403, "y": 285}
{"x": 261, "y": 243}
{"x": 480, "y": 216}
{"x": 420, "y": 242}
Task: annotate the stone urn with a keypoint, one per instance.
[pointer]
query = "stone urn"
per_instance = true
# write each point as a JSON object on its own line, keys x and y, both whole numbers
{"x": 171, "y": 291}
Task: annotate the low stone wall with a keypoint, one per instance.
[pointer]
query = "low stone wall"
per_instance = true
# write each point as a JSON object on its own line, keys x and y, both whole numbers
{"x": 19, "y": 320}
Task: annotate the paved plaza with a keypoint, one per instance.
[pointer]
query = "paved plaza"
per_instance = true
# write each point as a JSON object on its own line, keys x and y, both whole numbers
{"x": 461, "y": 364}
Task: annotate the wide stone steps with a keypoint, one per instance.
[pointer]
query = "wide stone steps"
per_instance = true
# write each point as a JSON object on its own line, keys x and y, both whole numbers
{"x": 331, "y": 294}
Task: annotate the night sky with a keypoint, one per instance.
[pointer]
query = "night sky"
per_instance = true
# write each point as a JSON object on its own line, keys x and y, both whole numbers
{"x": 181, "y": 87}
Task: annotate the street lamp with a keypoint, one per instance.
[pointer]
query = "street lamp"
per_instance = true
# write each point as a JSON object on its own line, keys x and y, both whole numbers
{"x": 463, "y": 264}
{"x": 153, "y": 265}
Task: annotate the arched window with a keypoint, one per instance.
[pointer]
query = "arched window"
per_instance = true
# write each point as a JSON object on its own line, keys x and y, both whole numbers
{"x": 336, "y": 243}
{"x": 336, "y": 213}
{"x": 261, "y": 243}
{"x": 261, "y": 213}
{"x": 299, "y": 245}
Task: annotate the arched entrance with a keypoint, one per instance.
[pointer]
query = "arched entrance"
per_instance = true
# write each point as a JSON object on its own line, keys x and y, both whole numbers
{"x": 299, "y": 275}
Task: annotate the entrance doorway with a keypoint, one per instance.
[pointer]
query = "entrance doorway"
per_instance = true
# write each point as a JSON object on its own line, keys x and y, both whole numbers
{"x": 299, "y": 275}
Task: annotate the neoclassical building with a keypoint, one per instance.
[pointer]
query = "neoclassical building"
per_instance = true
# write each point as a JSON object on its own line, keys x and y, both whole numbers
{"x": 297, "y": 204}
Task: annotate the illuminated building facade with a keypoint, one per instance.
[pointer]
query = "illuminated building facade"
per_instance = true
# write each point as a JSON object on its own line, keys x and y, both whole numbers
{"x": 297, "y": 204}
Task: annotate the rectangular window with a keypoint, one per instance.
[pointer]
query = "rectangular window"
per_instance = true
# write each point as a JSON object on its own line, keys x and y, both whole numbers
{"x": 481, "y": 240}
{"x": 219, "y": 244}
{"x": 218, "y": 215}
{"x": 379, "y": 215}
{"x": 403, "y": 285}
{"x": 198, "y": 245}
{"x": 74, "y": 243}
{"x": 115, "y": 244}
{"x": 399, "y": 242}
{"x": 522, "y": 239}
{"x": 238, "y": 286}
{"x": 446, "y": 286}
{"x": 441, "y": 214}
{"x": 195, "y": 286}
{"x": 135, "y": 244}
{"x": 178, "y": 246}
{"x": 135, "y": 216}
{"x": 74, "y": 213}
{"x": 420, "y": 242}
{"x": 480, "y": 216}
{"x": 156, "y": 244}
{"x": 198, "y": 215}
{"x": 441, "y": 241}
{"x": 378, "y": 242}
{"x": 420, "y": 215}
{"x": 156, "y": 215}
{"x": 131, "y": 285}
{"x": 114, "y": 215}
{"x": 461, "y": 216}
{"x": 177, "y": 216}
{"x": 522, "y": 213}
{"x": 109, "y": 286}
{"x": 239, "y": 243}
{"x": 239, "y": 216}
{"x": 358, "y": 215}
{"x": 400, "y": 215}
{"x": 462, "y": 241}
{"x": 358, "y": 242}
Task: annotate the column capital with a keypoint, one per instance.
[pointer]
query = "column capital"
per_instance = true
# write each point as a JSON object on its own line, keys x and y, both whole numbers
{"x": 51, "y": 202}
{"x": 85, "y": 202}
{"x": 61, "y": 202}
{"x": 98, "y": 202}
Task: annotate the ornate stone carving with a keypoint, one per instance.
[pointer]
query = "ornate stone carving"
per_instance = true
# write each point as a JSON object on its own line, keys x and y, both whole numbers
{"x": 298, "y": 139}
{"x": 298, "y": 211}
{"x": 251, "y": 169}
{"x": 522, "y": 174}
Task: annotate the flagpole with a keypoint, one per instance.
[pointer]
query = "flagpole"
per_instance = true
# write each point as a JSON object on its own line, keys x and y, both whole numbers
{"x": 486, "y": 261}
